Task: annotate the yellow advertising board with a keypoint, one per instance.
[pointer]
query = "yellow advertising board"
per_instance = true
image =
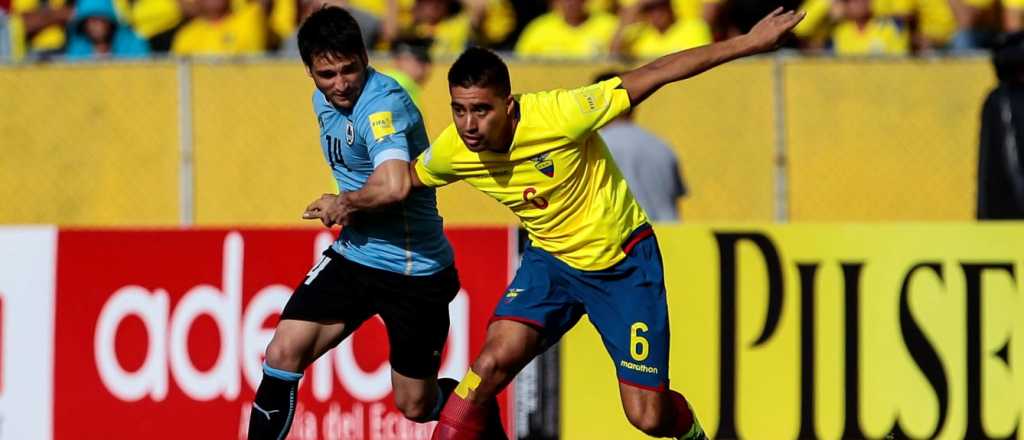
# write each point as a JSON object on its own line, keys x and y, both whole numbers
{"x": 829, "y": 331}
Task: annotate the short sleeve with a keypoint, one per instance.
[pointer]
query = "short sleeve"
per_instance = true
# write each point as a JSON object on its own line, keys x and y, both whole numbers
{"x": 434, "y": 166}
{"x": 580, "y": 112}
{"x": 386, "y": 126}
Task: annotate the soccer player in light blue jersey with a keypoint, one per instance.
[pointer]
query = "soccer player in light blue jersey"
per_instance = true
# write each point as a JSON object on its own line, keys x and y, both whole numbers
{"x": 392, "y": 260}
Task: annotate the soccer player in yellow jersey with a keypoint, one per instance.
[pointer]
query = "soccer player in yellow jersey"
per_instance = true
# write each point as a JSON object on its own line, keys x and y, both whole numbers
{"x": 592, "y": 250}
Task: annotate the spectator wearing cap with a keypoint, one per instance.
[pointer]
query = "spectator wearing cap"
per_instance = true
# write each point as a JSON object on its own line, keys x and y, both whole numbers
{"x": 651, "y": 28}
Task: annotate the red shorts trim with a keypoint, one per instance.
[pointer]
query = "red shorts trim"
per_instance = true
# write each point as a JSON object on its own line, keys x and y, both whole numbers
{"x": 658, "y": 389}
{"x": 535, "y": 324}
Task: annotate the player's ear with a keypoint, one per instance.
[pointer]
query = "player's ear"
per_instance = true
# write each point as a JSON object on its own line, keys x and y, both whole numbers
{"x": 510, "y": 105}
{"x": 309, "y": 71}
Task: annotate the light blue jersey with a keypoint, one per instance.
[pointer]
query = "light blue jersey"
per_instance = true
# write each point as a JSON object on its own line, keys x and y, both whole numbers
{"x": 408, "y": 237}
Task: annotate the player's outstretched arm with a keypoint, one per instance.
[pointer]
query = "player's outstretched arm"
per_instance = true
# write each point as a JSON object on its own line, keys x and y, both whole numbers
{"x": 765, "y": 36}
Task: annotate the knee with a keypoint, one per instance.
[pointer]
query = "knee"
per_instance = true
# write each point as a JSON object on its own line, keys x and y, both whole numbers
{"x": 284, "y": 356}
{"x": 415, "y": 409}
{"x": 647, "y": 415}
{"x": 486, "y": 365}
{"x": 492, "y": 364}
{"x": 648, "y": 422}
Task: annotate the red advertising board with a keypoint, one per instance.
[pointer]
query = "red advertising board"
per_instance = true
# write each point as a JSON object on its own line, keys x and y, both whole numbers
{"x": 160, "y": 334}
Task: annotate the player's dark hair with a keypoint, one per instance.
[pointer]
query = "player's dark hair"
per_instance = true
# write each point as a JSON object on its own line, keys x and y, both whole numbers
{"x": 330, "y": 30}
{"x": 479, "y": 67}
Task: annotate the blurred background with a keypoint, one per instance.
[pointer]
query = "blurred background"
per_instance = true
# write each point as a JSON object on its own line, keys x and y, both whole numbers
{"x": 836, "y": 218}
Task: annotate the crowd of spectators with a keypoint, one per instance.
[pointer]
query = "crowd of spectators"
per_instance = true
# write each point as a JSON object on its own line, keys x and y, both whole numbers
{"x": 548, "y": 29}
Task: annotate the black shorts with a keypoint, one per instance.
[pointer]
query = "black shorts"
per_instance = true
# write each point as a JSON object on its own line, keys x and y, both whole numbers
{"x": 414, "y": 308}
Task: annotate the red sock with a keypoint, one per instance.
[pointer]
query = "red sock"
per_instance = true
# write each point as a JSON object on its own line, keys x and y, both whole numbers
{"x": 683, "y": 418}
{"x": 461, "y": 420}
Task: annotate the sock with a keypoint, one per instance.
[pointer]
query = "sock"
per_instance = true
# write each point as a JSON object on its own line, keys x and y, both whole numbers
{"x": 445, "y": 387}
{"x": 274, "y": 405}
{"x": 461, "y": 419}
{"x": 685, "y": 425}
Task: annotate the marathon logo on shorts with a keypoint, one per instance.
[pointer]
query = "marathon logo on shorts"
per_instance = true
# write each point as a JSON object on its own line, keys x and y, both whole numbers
{"x": 639, "y": 367}
{"x": 544, "y": 165}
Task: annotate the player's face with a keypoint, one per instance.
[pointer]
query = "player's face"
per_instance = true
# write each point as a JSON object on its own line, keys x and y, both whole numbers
{"x": 482, "y": 118}
{"x": 339, "y": 77}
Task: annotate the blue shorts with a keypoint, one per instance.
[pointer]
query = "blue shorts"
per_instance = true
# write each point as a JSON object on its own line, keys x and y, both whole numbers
{"x": 626, "y": 303}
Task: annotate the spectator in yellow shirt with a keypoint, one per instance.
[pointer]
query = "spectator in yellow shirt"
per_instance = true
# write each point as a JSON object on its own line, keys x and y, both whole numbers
{"x": 860, "y": 33}
{"x": 219, "y": 31}
{"x": 660, "y": 31}
{"x": 455, "y": 25}
{"x": 707, "y": 10}
{"x": 155, "y": 20}
{"x": 37, "y": 27}
{"x": 569, "y": 31}
{"x": 929, "y": 22}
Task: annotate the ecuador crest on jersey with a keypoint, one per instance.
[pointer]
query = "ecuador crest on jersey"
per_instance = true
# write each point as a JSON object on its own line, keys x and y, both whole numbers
{"x": 544, "y": 165}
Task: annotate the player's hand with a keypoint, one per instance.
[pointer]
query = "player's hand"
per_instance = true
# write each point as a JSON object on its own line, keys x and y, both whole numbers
{"x": 338, "y": 211}
{"x": 767, "y": 33}
{"x": 318, "y": 209}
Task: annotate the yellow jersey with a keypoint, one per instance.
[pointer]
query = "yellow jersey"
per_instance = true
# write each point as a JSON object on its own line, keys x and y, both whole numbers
{"x": 50, "y": 38}
{"x": 879, "y": 37}
{"x": 934, "y": 16}
{"x": 549, "y": 36}
{"x": 557, "y": 176}
{"x": 985, "y": 4}
{"x": 453, "y": 34}
{"x": 936, "y": 21}
{"x": 684, "y": 9}
{"x": 644, "y": 41}
{"x": 241, "y": 32}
